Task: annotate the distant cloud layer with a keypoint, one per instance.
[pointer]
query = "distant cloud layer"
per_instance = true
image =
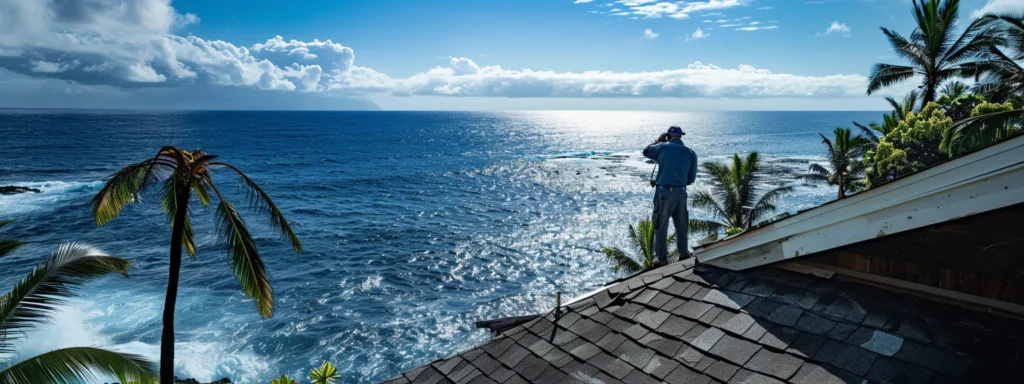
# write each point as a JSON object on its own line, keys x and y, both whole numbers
{"x": 696, "y": 80}
{"x": 116, "y": 47}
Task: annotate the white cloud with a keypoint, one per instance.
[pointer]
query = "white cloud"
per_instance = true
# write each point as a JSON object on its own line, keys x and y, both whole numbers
{"x": 126, "y": 48}
{"x": 696, "y": 80}
{"x": 698, "y": 34}
{"x": 764, "y": 8}
{"x": 129, "y": 43}
{"x": 837, "y": 27}
{"x": 582, "y": 1}
{"x": 677, "y": 10}
{"x": 998, "y": 6}
{"x": 748, "y": 29}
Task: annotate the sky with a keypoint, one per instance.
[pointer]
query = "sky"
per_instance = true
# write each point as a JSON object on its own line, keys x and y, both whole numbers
{"x": 451, "y": 54}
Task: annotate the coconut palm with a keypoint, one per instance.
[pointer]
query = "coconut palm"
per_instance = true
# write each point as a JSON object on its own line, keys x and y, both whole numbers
{"x": 1005, "y": 75}
{"x": 37, "y": 297}
{"x": 845, "y": 168}
{"x": 1004, "y": 81}
{"x": 933, "y": 50}
{"x": 642, "y": 238}
{"x": 954, "y": 90}
{"x": 733, "y": 200}
{"x": 188, "y": 174}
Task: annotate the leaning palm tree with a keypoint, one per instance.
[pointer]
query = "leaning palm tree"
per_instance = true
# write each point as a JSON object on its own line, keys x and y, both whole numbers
{"x": 642, "y": 238}
{"x": 845, "y": 166}
{"x": 188, "y": 174}
{"x": 37, "y": 297}
{"x": 933, "y": 50}
{"x": 733, "y": 200}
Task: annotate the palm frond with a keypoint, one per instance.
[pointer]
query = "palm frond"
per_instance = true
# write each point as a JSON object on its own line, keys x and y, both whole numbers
{"x": 122, "y": 188}
{"x": 884, "y": 75}
{"x": 767, "y": 202}
{"x": 245, "y": 258}
{"x": 8, "y": 245}
{"x": 869, "y": 134}
{"x": 978, "y": 131}
{"x": 620, "y": 261}
{"x": 35, "y": 298}
{"x": 703, "y": 199}
{"x": 81, "y": 364}
{"x": 261, "y": 201}
{"x": 705, "y": 227}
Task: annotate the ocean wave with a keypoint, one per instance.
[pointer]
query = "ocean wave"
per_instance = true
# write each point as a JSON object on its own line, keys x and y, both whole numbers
{"x": 53, "y": 194}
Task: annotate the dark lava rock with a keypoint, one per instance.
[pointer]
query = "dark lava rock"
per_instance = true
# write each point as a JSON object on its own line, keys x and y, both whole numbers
{"x": 14, "y": 190}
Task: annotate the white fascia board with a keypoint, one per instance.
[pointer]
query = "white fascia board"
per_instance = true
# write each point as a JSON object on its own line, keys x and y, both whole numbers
{"x": 986, "y": 180}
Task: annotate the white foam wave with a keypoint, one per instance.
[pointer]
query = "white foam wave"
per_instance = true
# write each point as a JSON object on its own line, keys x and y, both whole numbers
{"x": 78, "y": 324}
{"x": 53, "y": 194}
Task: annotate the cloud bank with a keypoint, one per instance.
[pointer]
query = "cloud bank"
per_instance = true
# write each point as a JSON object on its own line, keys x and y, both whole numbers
{"x": 132, "y": 50}
{"x": 465, "y": 78}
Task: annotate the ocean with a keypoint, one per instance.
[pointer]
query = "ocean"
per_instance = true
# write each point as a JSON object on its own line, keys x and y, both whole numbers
{"x": 415, "y": 224}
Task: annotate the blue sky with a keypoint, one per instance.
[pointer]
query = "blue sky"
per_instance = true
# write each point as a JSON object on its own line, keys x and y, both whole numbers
{"x": 455, "y": 54}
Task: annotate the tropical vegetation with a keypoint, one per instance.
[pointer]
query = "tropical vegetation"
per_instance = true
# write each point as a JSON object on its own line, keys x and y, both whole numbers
{"x": 736, "y": 198}
{"x": 925, "y": 130}
{"x": 188, "y": 174}
{"x": 327, "y": 373}
{"x": 38, "y": 296}
{"x": 845, "y": 167}
{"x": 934, "y": 50}
{"x": 642, "y": 238}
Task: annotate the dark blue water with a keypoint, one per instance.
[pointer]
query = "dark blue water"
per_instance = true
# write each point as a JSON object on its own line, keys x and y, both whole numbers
{"x": 415, "y": 225}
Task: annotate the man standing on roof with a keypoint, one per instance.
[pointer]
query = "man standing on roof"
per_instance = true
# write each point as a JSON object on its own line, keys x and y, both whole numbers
{"x": 677, "y": 168}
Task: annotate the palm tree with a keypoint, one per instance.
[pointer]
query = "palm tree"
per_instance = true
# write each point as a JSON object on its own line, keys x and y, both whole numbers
{"x": 642, "y": 237}
{"x": 732, "y": 199}
{"x": 874, "y": 131}
{"x": 187, "y": 174}
{"x": 1005, "y": 75}
{"x": 1004, "y": 81}
{"x": 933, "y": 50}
{"x": 37, "y": 297}
{"x": 845, "y": 167}
{"x": 954, "y": 90}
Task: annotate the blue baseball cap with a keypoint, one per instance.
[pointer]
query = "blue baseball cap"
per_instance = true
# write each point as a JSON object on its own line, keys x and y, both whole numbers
{"x": 674, "y": 130}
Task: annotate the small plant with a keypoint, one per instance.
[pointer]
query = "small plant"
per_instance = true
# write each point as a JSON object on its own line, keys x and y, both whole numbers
{"x": 326, "y": 374}
{"x": 642, "y": 237}
{"x": 284, "y": 379}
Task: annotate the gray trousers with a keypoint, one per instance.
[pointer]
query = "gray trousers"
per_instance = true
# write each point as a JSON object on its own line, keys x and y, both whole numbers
{"x": 670, "y": 203}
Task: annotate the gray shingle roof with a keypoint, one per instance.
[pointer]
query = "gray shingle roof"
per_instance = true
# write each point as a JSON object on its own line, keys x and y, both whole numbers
{"x": 680, "y": 324}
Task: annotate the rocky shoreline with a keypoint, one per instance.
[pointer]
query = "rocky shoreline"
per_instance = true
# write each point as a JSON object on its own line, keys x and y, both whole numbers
{"x": 14, "y": 190}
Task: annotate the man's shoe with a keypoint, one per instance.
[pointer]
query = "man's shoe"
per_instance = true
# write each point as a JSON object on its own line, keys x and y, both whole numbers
{"x": 658, "y": 264}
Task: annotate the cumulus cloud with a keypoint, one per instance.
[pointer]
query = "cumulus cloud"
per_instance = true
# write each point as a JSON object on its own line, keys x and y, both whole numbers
{"x": 132, "y": 50}
{"x": 998, "y": 6}
{"x": 698, "y": 34}
{"x": 696, "y": 80}
{"x": 129, "y": 43}
{"x": 837, "y": 27}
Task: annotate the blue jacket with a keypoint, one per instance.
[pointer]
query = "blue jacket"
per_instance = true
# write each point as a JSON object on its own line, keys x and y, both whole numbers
{"x": 677, "y": 163}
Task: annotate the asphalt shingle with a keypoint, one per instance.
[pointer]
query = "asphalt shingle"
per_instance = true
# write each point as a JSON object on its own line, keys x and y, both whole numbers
{"x": 761, "y": 326}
